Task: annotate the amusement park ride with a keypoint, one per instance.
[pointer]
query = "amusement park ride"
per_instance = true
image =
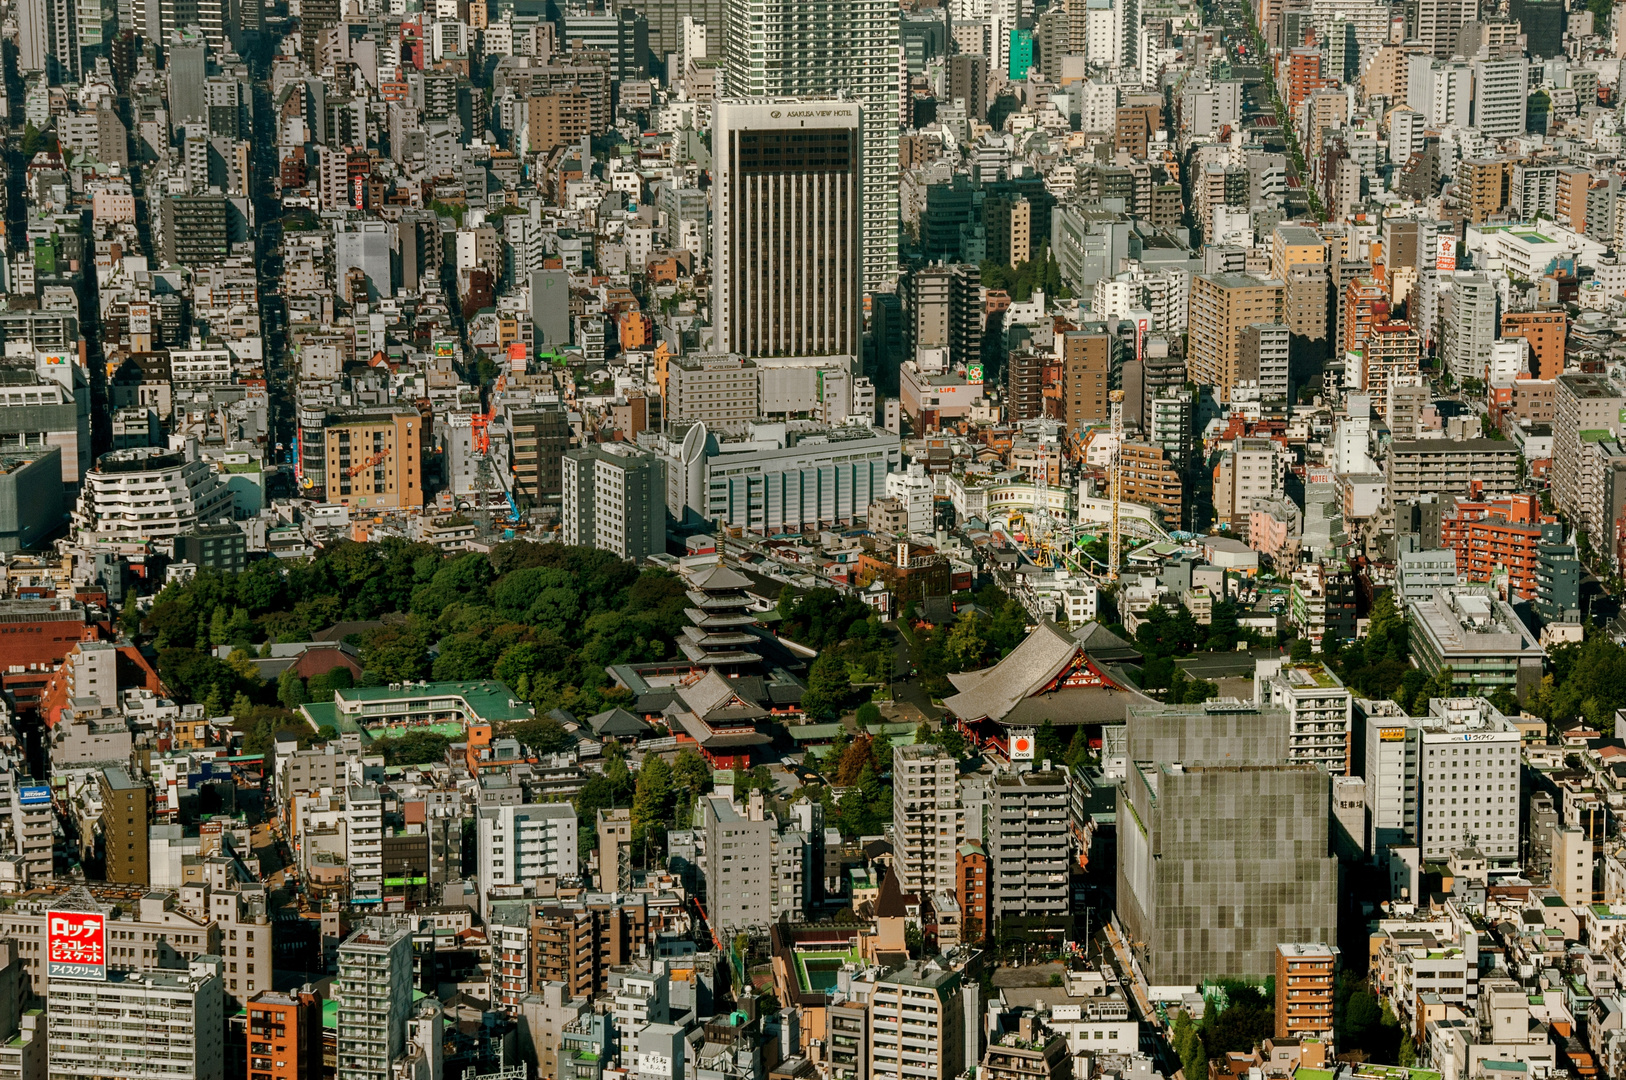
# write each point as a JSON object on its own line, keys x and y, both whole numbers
{"x": 1049, "y": 541}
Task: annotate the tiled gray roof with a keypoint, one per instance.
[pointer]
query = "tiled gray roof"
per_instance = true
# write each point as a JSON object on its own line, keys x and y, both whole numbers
{"x": 1029, "y": 666}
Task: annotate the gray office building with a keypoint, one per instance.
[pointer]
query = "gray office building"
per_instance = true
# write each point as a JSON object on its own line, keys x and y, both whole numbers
{"x": 1217, "y": 863}
{"x": 32, "y": 501}
{"x": 550, "y": 307}
{"x": 615, "y": 499}
{"x": 1028, "y": 840}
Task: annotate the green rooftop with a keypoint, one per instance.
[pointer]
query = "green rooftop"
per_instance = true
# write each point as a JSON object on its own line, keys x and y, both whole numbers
{"x": 1393, "y": 1072}
{"x": 478, "y": 700}
{"x": 817, "y": 971}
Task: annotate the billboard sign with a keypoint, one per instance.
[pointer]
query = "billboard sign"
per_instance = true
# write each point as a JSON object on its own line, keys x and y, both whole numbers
{"x": 1023, "y": 745}
{"x": 445, "y": 348}
{"x": 973, "y": 373}
{"x": 76, "y": 945}
{"x": 34, "y": 795}
{"x": 1447, "y": 259}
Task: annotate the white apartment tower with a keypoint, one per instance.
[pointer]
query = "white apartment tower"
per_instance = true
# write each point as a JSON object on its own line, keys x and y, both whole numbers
{"x": 928, "y": 822}
{"x": 374, "y": 995}
{"x": 1501, "y": 93}
{"x": 364, "y": 842}
{"x": 1319, "y": 707}
{"x": 520, "y": 843}
{"x": 1442, "y": 90}
{"x": 786, "y": 240}
{"x": 139, "y": 1025}
{"x": 48, "y": 38}
{"x": 821, "y": 48}
{"x": 148, "y": 493}
{"x": 1470, "y": 326}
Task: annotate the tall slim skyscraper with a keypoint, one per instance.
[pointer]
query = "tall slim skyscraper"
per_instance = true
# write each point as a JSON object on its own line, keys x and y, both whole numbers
{"x": 374, "y": 994}
{"x": 48, "y": 39}
{"x": 820, "y": 48}
{"x": 786, "y": 241}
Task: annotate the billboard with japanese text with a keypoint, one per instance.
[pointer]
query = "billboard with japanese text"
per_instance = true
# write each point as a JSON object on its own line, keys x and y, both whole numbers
{"x": 76, "y": 945}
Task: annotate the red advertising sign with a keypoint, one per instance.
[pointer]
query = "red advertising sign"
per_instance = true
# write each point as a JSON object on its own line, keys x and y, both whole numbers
{"x": 1447, "y": 259}
{"x": 76, "y": 945}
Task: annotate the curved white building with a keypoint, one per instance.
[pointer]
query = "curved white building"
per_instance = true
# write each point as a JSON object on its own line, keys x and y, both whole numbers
{"x": 148, "y": 493}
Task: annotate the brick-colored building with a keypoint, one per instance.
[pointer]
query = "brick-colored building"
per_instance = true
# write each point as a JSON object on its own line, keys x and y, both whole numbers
{"x": 971, "y": 887}
{"x": 1365, "y": 303}
{"x": 285, "y": 1036}
{"x": 1304, "y": 986}
{"x": 1222, "y": 305}
{"x": 126, "y": 814}
{"x": 556, "y": 120}
{"x": 1134, "y": 127}
{"x": 1086, "y": 361}
{"x": 1530, "y": 400}
{"x": 1497, "y": 534}
{"x": 1573, "y": 184}
{"x": 1484, "y": 186}
{"x": 1546, "y": 332}
{"x": 1303, "y": 75}
{"x": 1391, "y": 349}
{"x": 1150, "y": 478}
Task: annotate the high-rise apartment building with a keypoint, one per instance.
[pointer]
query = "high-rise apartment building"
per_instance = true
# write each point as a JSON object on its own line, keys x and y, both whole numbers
{"x": 1304, "y": 984}
{"x": 140, "y": 1025}
{"x": 1392, "y": 351}
{"x": 1545, "y": 331}
{"x": 374, "y": 995}
{"x": 615, "y": 500}
{"x": 786, "y": 242}
{"x": 1222, "y": 305}
{"x": 944, "y": 305}
{"x": 48, "y": 39}
{"x": 1086, "y": 370}
{"x": 1320, "y": 711}
{"x": 1501, "y": 93}
{"x": 126, "y": 809}
{"x": 285, "y": 1035}
{"x": 916, "y": 1024}
{"x": 818, "y": 49}
{"x": 1028, "y": 840}
{"x": 1438, "y": 22}
{"x": 927, "y": 820}
{"x": 1582, "y": 403}
{"x": 755, "y": 869}
{"x": 1470, "y": 326}
{"x": 1484, "y": 188}
{"x": 541, "y": 435}
{"x": 518, "y": 844}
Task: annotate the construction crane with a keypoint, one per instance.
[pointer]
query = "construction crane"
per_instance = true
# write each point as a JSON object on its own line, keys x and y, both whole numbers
{"x": 356, "y": 470}
{"x": 1115, "y": 473}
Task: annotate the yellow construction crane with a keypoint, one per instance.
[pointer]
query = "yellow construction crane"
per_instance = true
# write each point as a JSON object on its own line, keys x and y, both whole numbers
{"x": 1116, "y": 481}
